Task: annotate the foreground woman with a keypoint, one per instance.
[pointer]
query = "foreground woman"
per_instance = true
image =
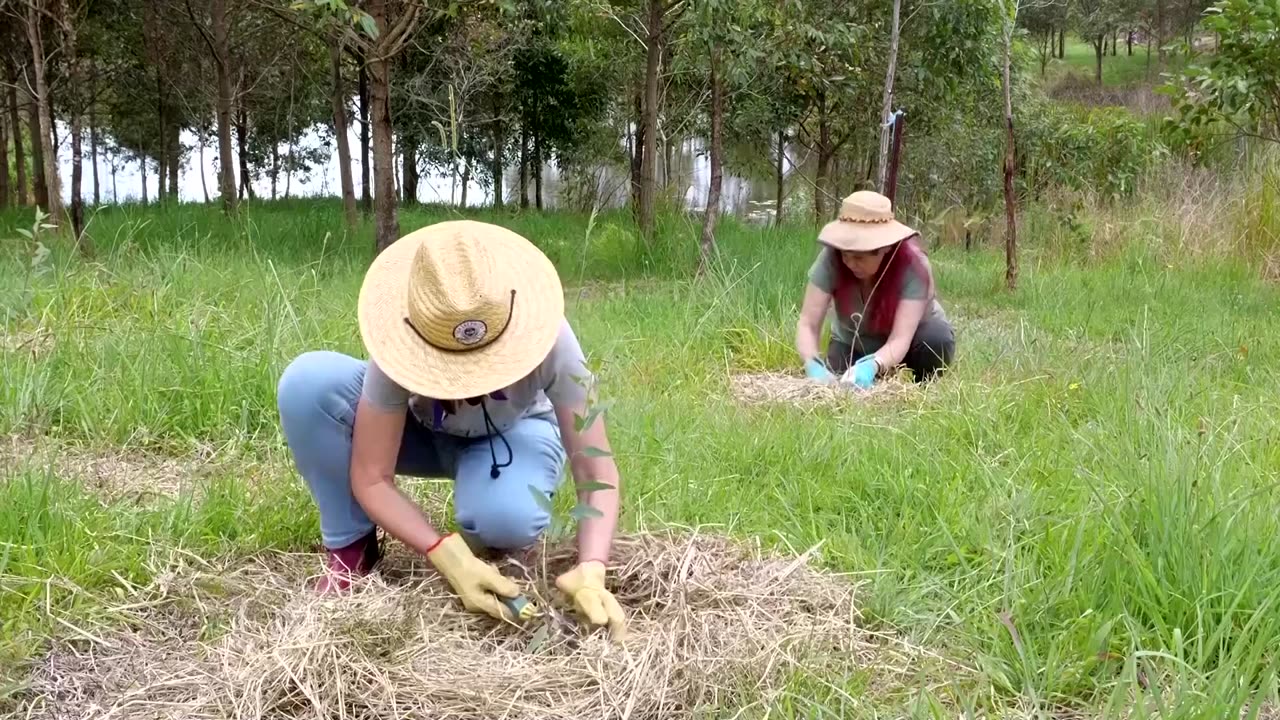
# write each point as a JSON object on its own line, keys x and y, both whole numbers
{"x": 474, "y": 375}
{"x": 886, "y": 308}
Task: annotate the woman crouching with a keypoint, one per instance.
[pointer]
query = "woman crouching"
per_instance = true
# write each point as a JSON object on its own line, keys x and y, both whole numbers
{"x": 886, "y": 309}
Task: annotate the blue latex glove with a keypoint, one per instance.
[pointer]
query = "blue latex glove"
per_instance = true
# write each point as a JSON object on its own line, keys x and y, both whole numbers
{"x": 816, "y": 370}
{"x": 864, "y": 372}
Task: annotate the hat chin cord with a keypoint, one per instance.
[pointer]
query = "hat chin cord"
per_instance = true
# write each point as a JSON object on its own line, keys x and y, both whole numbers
{"x": 495, "y": 467}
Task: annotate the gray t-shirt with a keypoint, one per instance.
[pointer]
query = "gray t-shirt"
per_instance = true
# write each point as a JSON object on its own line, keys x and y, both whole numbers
{"x": 847, "y": 325}
{"x": 562, "y": 379}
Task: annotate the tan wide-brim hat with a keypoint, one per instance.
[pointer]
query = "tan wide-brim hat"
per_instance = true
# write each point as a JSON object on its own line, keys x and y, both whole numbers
{"x": 865, "y": 223}
{"x": 460, "y": 309}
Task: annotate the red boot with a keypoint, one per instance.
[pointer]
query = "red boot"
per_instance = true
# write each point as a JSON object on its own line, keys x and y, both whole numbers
{"x": 347, "y": 563}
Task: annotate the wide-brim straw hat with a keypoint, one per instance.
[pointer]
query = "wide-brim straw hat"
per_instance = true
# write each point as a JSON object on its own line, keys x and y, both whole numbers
{"x": 460, "y": 309}
{"x": 865, "y": 224}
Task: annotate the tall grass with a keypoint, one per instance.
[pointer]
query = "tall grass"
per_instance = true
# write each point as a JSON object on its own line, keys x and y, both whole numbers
{"x": 1084, "y": 511}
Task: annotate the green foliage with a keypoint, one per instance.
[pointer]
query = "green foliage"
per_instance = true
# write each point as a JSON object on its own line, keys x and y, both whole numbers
{"x": 1101, "y": 151}
{"x": 1237, "y": 87}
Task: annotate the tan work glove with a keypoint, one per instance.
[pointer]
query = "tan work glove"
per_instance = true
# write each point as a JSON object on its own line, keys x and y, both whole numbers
{"x": 474, "y": 580}
{"x": 585, "y": 585}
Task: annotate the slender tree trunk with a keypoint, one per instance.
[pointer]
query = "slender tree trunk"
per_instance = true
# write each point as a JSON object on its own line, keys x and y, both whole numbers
{"x": 242, "y": 142}
{"x": 162, "y": 163}
{"x": 782, "y": 155}
{"x": 387, "y": 223}
{"x": 39, "y": 191}
{"x": 44, "y": 125}
{"x": 1115, "y": 41}
{"x": 366, "y": 187}
{"x": 1010, "y": 156}
{"x": 93, "y": 132}
{"x": 886, "y": 102}
{"x": 1160, "y": 15}
{"x": 1062, "y": 44}
{"x": 824, "y": 161}
{"x": 1099, "y": 49}
{"x": 275, "y": 166}
{"x": 707, "y": 247}
{"x": 78, "y": 84}
{"x": 1128, "y": 40}
{"x": 524, "y": 165}
{"x": 288, "y": 170}
{"x": 222, "y": 64}
{"x": 19, "y": 151}
{"x": 115, "y": 191}
{"x": 142, "y": 163}
{"x": 4, "y": 163}
{"x": 637, "y": 154}
{"x": 648, "y": 177}
{"x": 466, "y": 180}
{"x": 537, "y": 170}
{"x": 204, "y": 184}
{"x": 409, "y": 171}
{"x": 499, "y": 142}
{"x": 175, "y": 159}
{"x": 338, "y": 99}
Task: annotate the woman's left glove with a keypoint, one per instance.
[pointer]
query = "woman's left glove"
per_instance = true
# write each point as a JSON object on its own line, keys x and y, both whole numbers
{"x": 585, "y": 585}
{"x": 864, "y": 372}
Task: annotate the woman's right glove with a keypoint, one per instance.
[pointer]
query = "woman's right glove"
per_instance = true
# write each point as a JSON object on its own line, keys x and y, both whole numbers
{"x": 475, "y": 580}
{"x": 817, "y": 371}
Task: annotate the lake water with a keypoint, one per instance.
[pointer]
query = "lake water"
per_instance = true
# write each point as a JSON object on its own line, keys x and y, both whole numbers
{"x": 688, "y": 177}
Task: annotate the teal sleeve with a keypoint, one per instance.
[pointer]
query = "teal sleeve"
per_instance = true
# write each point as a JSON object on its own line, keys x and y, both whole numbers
{"x": 820, "y": 274}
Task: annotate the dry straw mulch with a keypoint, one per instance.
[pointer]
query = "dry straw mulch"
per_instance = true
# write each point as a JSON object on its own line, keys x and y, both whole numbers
{"x": 776, "y": 388}
{"x": 712, "y": 625}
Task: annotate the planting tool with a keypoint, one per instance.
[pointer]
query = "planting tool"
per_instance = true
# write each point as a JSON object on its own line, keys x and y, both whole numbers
{"x": 519, "y": 607}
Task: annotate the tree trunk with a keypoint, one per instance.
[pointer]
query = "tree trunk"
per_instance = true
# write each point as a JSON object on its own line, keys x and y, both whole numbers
{"x": 175, "y": 159}
{"x": 115, "y": 191}
{"x": 1128, "y": 40}
{"x": 39, "y": 191}
{"x": 4, "y": 164}
{"x": 93, "y": 132}
{"x": 824, "y": 162}
{"x": 1010, "y": 202}
{"x": 524, "y": 165}
{"x": 43, "y": 127}
{"x": 498, "y": 143}
{"x": 1115, "y": 41}
{"x": 338, "y": 99}
{"x": 782, "y": 154}
{"x": 142, "y": 163}
{"x": 275, "y": 166}
{"x": 1099, "y": 49}
{"x": 1159, "y": 33}
{"x": 537, "y": 171}
{"x": 366, "y": 188}
{"x": 19, "y": 151}
{"x": 1062, "y": 44}
{"x": 886, "y": 102}
{"x": 162, "y": 163}
{"x": 242, "y": 142}
{"x": 707, "y": 247}
{"x": 466, "y": 180}
{"x": 387, "y": 224}
{"x": 408, "y": 171}
{"x": 637, "y": 154}
{"x": 648, "y": 177}
{"x": 222, "y": 64}
{"x": 204, "y": 184}
{"x": 76, "y": 77}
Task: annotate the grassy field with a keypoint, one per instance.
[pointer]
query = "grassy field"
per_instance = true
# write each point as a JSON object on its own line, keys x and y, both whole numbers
{"x": 1083, "y": 514}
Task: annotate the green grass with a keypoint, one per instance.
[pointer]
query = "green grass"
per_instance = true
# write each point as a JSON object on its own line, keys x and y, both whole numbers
{"x": 1085, "y": 508}
{"x": 1120, "y": 70}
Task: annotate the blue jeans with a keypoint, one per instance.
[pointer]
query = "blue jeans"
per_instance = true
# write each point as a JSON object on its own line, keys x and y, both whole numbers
{"x": 317, "y": 397}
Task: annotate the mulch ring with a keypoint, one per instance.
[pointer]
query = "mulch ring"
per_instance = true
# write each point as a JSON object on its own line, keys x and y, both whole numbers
{"x": 775, "y": 388}
{"x": 713, "y": 624}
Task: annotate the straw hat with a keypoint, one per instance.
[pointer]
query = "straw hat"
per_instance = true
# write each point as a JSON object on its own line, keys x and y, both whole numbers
{"x": 460, "y": 309}
{"x": 865, "y": 224}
